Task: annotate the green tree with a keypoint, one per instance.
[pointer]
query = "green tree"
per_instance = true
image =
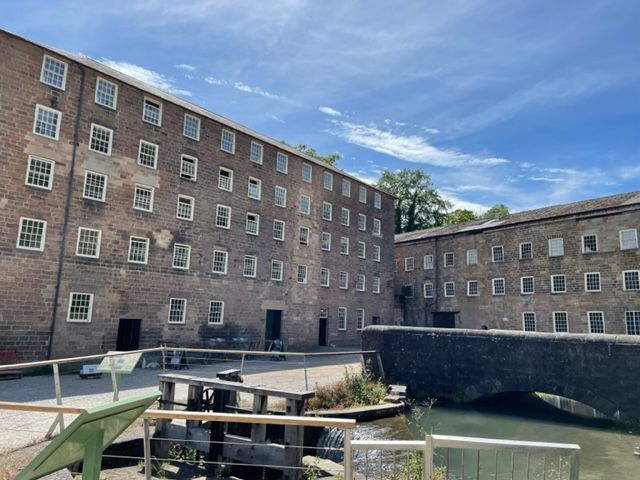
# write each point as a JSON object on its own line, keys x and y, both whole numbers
{"x": 330, "y": 158}
{"x": 418, "y": 203}
{"x": 459, "y": 215}
{"x": 496, "y": 211}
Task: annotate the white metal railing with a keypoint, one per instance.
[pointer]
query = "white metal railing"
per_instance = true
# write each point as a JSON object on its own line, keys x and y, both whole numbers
{"x": 485, "y": 459}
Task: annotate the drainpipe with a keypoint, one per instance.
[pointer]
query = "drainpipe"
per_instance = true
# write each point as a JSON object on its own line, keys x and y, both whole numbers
{"x": 436, "y": 277}
{"x": 67, "y": 206}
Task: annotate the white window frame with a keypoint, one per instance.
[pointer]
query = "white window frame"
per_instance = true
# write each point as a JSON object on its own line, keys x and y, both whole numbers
{"x": 306, "y": 177}
{"x": 377, "y": 200}
{"x": 58, "y": 121}
{"x": 377, "y": 227}
{"x": 283, "y": 196}
{"x": 51, "y": 163}
{"x": 325, "y": 277}
{"x": 362, "y": 249}
{"x": 176, "y": 247}
{"x": 62, "y": 87}
{"x": 42, "y": 240}
{"x": 304, "y": 235}
{"x": 469, "y": 294}
{"x": 95, "y": 127}
{"x": 84, "y": 186}
{"x": 427, "y": 292}
{"x": 530, "y": 251}
{"x": 582, "y": 243}
{"x": 143, "y": 187}
{"x": 257, "y": 185}
{"x": 327, "y": 207}
{"x": 257, "y": 161}
{"x": 192, "y": 202}
{"x": 632, "y": 316}
{"x": 280, "y": 265}
{"x": 453, "y": 260}
{"x": 302, "y": 274}
{"x": 256, "y": 222}
{"x": 533, "y": 285}
{"x": 599, "y": 289}
{"x": 278, "y": 222}
{"x": 554, "y": 316}
{"x": 115, "y": 93}
{"x": 409, "y": 264}
{"x": 524, "y": 322}
{"x": 495, "y": 281}
{"x": 325, "y": 236}
{"x": 306, "y": 211}
{"x": 362, "y": 194}
{"x": 183, "y": 316}
{"x": 152, "y": 103}
{"x": 346, "y": 188}
{"x": 427, "y": 262}
{"x": 230, "y": 137}
{"x": 345, "y": 217}
{"x": 251, "y": 261}
{"x": 361, "y": 282}
{"x": 282, "y": 163}
{"x": 213, "y": 303}
{"x": 343, "y": 280}
{"x": 376, "y": 253}
{"x": 226, "y": 208}
{"x": 222, "y": 254}
{"x": 221, "y": 182}
{"x": 553, "y": 241}
{"x": 635, "y": 237}
{"x": 360, "y": 321}
{"x": 375, "y": 285}
{"x": 472, "y": 256}
{"x": 184, "y": 127}
{"x": 144, "y": 240}
{"x": 624, "y": 280}
{"x": 194, "y": 160}
{"x": 98, "y": 242}
{"x": 89, "y": 312}
{"x": 552, "y": 289}
{"x": 344, "y": 245}
{"x": 155, "y": 156}
{"x": 494, "y": 257}
{"x": 362, "y": 222}
{"x": 342, "y": 319}
{"x": 453, "y": 289}
{"x": 327, "y": 181}
{"x": 589, "y": 314}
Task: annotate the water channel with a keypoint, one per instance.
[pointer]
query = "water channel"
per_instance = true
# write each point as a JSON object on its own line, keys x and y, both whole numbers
{"x": 607, "y": 449}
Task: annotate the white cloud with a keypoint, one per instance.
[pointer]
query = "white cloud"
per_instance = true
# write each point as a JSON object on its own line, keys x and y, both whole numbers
{"x": 151, "y": 77}
{"x": 546, "y": 179}
{"x": 364, "y": 177}
{"x": 432, "y": 131}
{"x": 243, "y": 88}
{"x": 465, "y": 204}
{"x": 412, "y": 148}
{"x": 185, "y": 66}
{"x": 630, "y": 172}
{"x": 330, "y": 111}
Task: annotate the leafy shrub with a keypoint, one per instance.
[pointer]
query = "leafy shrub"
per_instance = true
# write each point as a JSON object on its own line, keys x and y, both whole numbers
{"x": 354, "y": 390}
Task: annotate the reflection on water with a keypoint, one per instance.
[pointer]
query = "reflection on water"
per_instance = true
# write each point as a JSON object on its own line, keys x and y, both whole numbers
{"x": 607, "y": 450}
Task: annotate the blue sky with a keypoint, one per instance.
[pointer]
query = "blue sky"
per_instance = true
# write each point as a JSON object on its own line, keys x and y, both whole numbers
{"x": 527, "y": 103}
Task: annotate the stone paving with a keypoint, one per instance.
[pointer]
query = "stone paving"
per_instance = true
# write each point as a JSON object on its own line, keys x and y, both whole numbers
{"x": 19, "y": 429}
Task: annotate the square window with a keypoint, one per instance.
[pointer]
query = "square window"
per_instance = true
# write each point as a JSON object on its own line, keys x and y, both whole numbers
{"x": 560, "y": 322}
{"x": 303, "y": 236}
{"x": 360, "y": 282}
{"x": 346, "y": 188}
{"x": 95, "y": 186}
{"x": 250, "y": 266}
{"x": 181, "y": 256}
{"x": 280, "y": 196}
{"x": 497, "y": 254}
{"x": 427, "y": 290}
{"x": 276, "y": 270}
{"x": 152, "y": 112}
{"x": 223, "y": 216}
{"x": 342, "y": 318}
{"x": 449, "y": 289}
{"x": 628, "y": 239}
{"x": 472, "y": 288}
{"x": 225, "y": 179}
{"x": 558, "y": 284}
{"x": 80, "y": 307}
{"x": 32, "y": 234}
{"x": 302, "y": 274}
{"x": 376, "y": 253}
{"x": 188, "y": 168}
{"x": 54, "y": 72}
{"x": 527, "y": 285}
{"x": 228, "y": 141}
{"x": 376, "y": 285}
{"x": 529, "y": 321}
{"x": 216, "y": 312}
{"x": 327, "y": 211}
{"x": 359, "y": 319}
{"x": 106, "y": 93}
{"x": 376, "y": 227}
{"x": 191, "y": 127}
{"x": 408, "y": 264}
{"x": 556, "y": 247}
{"x": 362, "y": 222}
{"x": 472, "y": 257}
{"x": 377, "y": 200}
{"x": 306, "y": 172}
{"x": 88, "y": 244}
{"x": 631, "y": 279}
{"x": 592, "y": 282}
{"x": 47, "y": 122}
{"x": 138, "y": 250}
{"x": 632, "y": 322}
{"x": 282, "y": 163}
{"x": 526, "y": 251}
{"x": 325, "y": 277}
{"x": 596, "y": 322}
{"x": 362, "y": 250}
{"x": 344, "y": 217}
{"x": 305, "y": 204}
{"x": 344, "y": 246}
{"x": 327, "y": 180}
{"x": 278, "y": 230}
{"x": 40, "y": 173}
{"x": 362, "y": 194}
{"x": 253, "y": 223}
{"x": 148, "y": 154}
{"x": 186, "y": 206}
{"x": 255, "y": 153}
{"x": 498, "y": 286}
{"x": 177, "y": 310}
{"x": 254, "y": 189}
{"x": 143, "y": 198}
{"x": 326, "y": 241}
{"x": 344, "y": 280}
{"x": 427, "y": 262}
{"x": 448, "y": 259}
{"x": 589, "y": 243}
{"x": 220, "y": 258}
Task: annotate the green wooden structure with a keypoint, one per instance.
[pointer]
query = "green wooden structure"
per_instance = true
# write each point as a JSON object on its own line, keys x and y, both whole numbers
{"x": 87, "y": 436}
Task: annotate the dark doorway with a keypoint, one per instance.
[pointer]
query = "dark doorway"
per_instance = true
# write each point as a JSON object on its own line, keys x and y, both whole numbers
{"x": 272, "y": 327}
{"x": 375, "y": 320}
{"x": 322, "y": 333}
{"x": 444, "y": 319}
{"x": 128, "y": 334}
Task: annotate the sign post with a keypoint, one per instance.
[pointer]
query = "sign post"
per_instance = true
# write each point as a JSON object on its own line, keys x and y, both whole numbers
{"x": 117, "y": 365}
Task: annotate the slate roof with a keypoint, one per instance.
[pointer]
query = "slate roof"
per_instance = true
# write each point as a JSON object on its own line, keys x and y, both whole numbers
{"x": 568, "y": 209}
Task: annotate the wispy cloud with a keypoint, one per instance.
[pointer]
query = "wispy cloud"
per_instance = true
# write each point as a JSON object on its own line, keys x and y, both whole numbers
{"x": 330, "y": 111}
{"x": 412, "y": 148}
{"x": 185, "y": 66}
{"x": 243, "y": 88}
{"x": 151, "y": 77}
{"x": 546, "y": 179}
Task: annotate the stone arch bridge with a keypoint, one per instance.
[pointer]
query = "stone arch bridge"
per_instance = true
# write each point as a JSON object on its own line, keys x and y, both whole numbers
{"x": 602, "y": 371}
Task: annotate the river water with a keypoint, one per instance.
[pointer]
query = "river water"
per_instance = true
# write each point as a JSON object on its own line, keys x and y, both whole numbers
{"x": 606, "y": 448}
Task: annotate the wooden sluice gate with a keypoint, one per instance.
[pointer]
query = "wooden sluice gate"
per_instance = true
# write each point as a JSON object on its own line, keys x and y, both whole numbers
{"x": 256, "y": 444}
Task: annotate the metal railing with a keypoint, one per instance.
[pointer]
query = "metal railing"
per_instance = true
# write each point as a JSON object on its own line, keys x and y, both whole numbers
{"x": 461, "y": 458}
